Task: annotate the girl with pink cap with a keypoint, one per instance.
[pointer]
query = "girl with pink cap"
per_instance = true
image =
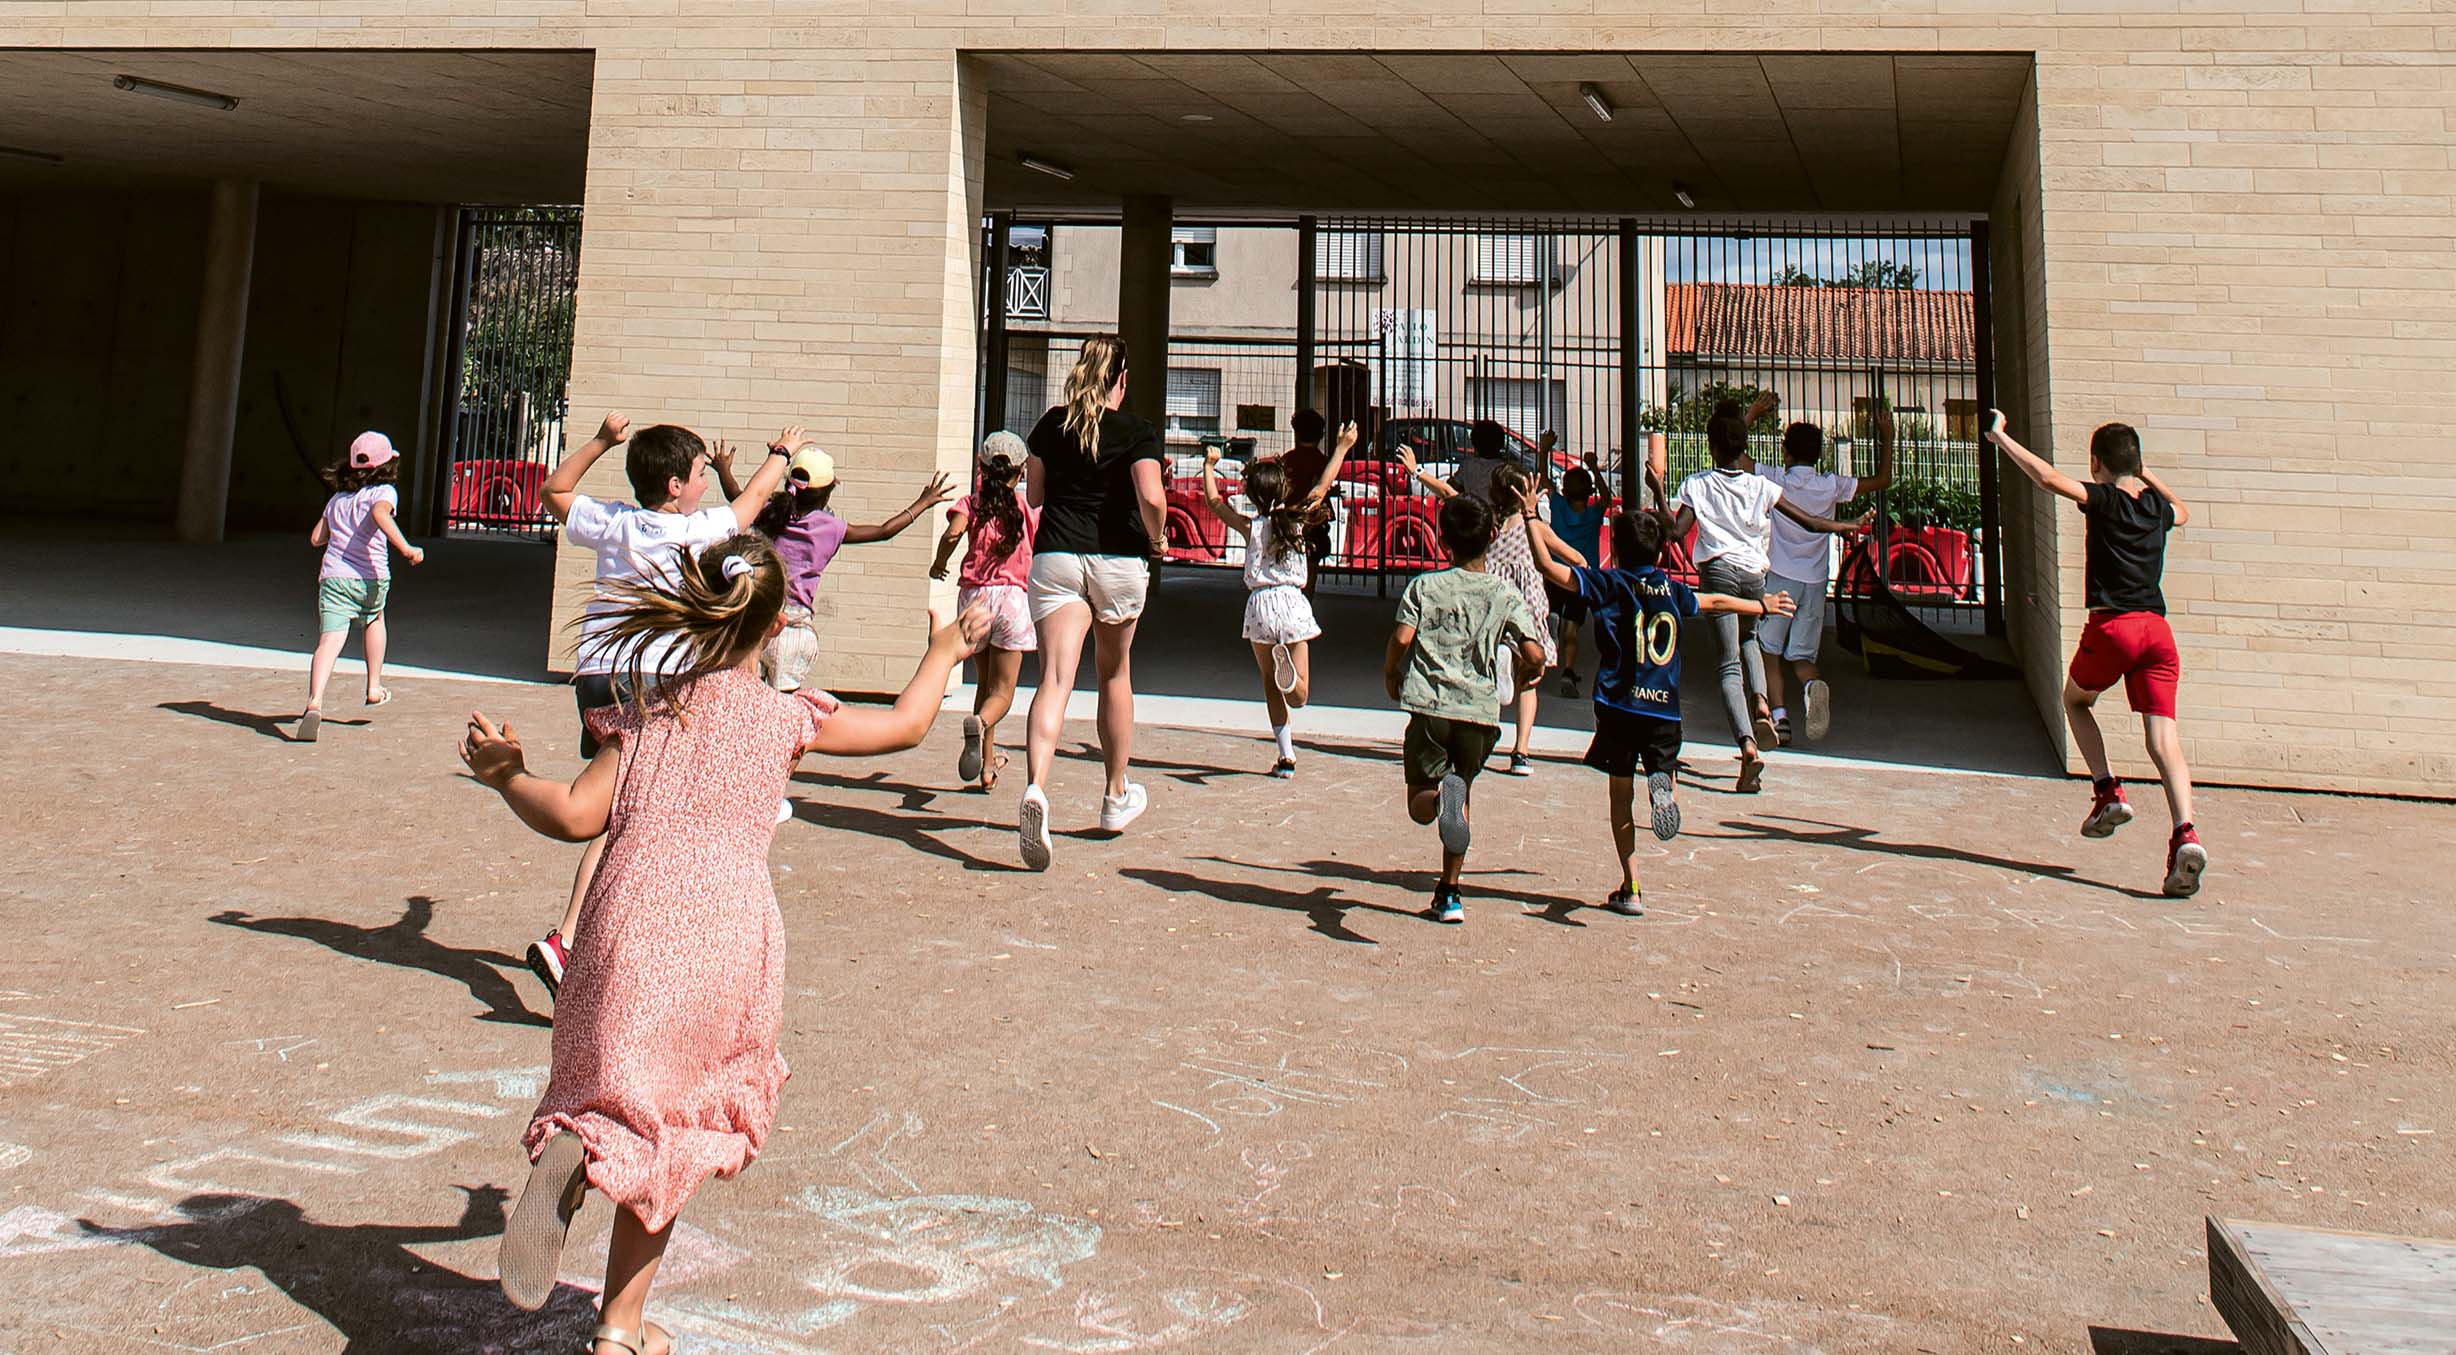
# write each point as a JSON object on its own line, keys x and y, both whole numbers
{"x": 357, "y": 534}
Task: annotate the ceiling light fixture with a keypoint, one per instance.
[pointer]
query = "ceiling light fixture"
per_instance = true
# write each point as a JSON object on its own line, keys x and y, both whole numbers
{"x": 204, "y": 98}
{"x": 1053, "y": 171}
{"x": 1595, "y": 100}
{"x": 1194, "y": 117}
{"x": 1681, "y": 191}
{"x": 31, "y": 157}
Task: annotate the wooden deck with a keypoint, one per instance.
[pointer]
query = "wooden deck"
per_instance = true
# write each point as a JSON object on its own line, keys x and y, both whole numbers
{"x": 2309, "y": 1291}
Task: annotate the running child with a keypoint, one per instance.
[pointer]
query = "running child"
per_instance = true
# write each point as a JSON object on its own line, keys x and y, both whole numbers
{"x": 1577, "y": 519}
{"x": 1442, "y": 666}
{"x": 996, "y": 524}
{"x": 665, "y": 1067}
{"x": 1801, "y": 563}
{"x": 2127, "y": 512}
{"x": 1638, "y": 610}
{"x": 807, "y": 537}
{"x": 1733, "y": 511}
{"x": 1279, "y": 621}
{"x": 357, "y": 533}
{"x": 667, "y": 466}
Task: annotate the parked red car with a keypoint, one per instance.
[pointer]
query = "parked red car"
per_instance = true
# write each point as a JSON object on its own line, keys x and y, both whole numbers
{"x": 497, "y": 493}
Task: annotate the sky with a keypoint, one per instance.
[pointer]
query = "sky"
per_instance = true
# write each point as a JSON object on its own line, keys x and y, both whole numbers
{"x": 1943, "y": 263}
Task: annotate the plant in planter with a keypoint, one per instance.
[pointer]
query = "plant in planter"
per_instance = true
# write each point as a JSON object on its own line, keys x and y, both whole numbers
{"x": 1928, "y": 548}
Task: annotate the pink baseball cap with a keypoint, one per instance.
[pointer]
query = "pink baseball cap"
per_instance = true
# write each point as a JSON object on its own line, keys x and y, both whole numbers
{"x": 370, "y": 449}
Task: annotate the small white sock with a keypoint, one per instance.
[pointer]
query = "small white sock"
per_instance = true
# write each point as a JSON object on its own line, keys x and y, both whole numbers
{"x": 1781, "y": 713}
{"x": 1287, "y": 741}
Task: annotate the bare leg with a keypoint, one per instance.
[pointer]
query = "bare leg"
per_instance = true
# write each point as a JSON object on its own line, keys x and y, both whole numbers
{"x": 374, "y": 641}
{"x": 2165, "y": 742}
{"x": 2085, "y": 735}
{"x": 1569, "y": 645}
{"x": 1301, "y": 655}
{"x": 1773, "y": 684}
{"x": 999, "y": 670}
{"x": 580, "y": 881}
{"x": 1526, "y": 721}
{"x": 1271, "y": 698}
{"x": 1061, "y": 648}
{"x": 630, "y": 1267}
{"x": 1113, "y": 652}
{"x": 1624, "y": 828}
{"x": 320, "y": 667}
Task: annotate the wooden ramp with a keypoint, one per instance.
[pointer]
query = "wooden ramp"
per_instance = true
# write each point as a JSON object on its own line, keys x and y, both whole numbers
{"x": 2309, "y": 1291}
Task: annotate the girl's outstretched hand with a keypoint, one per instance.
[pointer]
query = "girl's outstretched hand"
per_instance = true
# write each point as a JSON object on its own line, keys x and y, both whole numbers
{"x": 940, "y": 489}
{"x": 615, "y": 428}
{"x": 1347, "y": 437}
{"x": 791, "y": 438}
{"x": 960, "y": 637}
{"x": 493, "y": 755}
{"x": 1779, "y": 604}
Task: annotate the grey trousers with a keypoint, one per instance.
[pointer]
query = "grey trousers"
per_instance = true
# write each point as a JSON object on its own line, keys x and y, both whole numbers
{"x": 1743, "y": 662}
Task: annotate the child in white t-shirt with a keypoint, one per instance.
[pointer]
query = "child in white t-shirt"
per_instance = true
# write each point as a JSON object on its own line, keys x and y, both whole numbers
{"x": 357, "y": 533}
{"x": 1279, "y": 621}
{"x": 635, "y": 544}
{"x": 1801, "y": 563}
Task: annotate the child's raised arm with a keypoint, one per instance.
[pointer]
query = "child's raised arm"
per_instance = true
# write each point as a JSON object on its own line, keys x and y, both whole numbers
{"x": 1338, "y": 460}
{"x": 1441, "y": 488}
{"x": 382, "y": 513}
{"x": 565, "y": 481}
{"x": 2183, "y": 514}
{"x": 1815, "y": 523}
{"x": 573, "y": 813}
{"x": 958, "y": 521}
{"x": 1553, "y": 556}
{"x": 1773, "y": 604}
{"x": 940, "y": 489}
{"x": 855, "y": 731}
{"x": 1213, "y": 499}
{"x": 771, "y": 473}
{"x": 2044, "y": 474}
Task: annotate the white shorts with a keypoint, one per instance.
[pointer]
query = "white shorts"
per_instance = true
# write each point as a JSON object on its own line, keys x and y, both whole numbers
{"x": 1113, "y": 586}
{"x": 1010, "y": 615}
{"x": 1279, "y": 615}
{"x": 790, "y": 652}
{"x": 1798, "y": 636}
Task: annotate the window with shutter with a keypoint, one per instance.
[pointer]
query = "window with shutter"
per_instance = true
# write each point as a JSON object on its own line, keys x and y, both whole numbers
{"x": 1347, "y": 256}
{"x": 1508, "y": 260}
{"x": 1193, "y": 400}
{"x": 1194, "y": 250}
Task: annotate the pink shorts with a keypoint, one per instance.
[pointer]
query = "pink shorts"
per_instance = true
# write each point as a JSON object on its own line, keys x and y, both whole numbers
{"x": 2136, "y": 649}
{"x": 1010, "y": 615}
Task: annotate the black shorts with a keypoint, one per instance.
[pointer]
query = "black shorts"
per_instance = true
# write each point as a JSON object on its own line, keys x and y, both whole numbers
{"x": 1436, "y": 747}
{"x": 1624, "y": 743}
{"x": 1569, "y": 607}
{"x": 594, "y": 691}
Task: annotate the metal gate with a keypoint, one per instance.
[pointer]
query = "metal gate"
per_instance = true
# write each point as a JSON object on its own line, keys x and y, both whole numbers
{"x": 519, "y": 273}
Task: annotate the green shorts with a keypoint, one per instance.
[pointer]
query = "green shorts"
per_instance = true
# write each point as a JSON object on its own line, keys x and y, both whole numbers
{"x": 339, "y": 602}
{"x": 1436, "y": 747}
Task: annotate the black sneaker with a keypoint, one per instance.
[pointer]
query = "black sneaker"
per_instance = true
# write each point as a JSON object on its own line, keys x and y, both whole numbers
{"x": 1627, "y": 902}
{"x": 1447, "y": 905}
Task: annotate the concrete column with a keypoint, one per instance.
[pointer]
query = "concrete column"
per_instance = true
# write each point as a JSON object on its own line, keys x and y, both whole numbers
{"x": 1142, "y": 303}
{"x": 221, "y": 342}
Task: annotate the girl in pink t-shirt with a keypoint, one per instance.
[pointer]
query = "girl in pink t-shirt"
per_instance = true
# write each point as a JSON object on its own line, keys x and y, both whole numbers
{"x": 998, "y": 524}
{"x": 357, "y": 533}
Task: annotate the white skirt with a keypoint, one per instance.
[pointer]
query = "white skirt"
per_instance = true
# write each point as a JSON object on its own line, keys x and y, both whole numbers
{"x": 1279, "y": 615}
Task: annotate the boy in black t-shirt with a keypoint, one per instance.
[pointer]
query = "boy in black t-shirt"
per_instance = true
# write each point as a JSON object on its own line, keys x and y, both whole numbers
{"x": 1638, "y": 610}
{"x": 2128, "y": 511}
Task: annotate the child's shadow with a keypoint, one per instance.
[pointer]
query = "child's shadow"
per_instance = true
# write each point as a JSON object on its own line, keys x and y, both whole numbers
{"x": 362, "y": 1278}
{"x": 1556, "y": 907}
{"x": 1322, "y": 907}
{"x": 405, "y": 944}
{"x": 1865, "y": 840}
{"x": 1191, "y": 773}
{"x": 915, "y": 798}
{"x": 920, "y": 834}
{"x": 269, "y": 726}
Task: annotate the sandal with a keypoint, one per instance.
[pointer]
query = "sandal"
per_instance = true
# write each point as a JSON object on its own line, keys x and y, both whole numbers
{"x": 383, "y": 696}
{"x": 989, "y": 774}
{"x": 532, "y": 1251}
{"x": 634, "y": 1341}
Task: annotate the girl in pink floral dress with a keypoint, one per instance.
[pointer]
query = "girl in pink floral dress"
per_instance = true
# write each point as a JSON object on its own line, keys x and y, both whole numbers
{"x": 666, "y": 1070}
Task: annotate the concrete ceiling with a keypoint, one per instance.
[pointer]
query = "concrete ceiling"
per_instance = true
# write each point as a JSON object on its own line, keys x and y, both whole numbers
{"x": 490, "y": 126}
{"x": 1276, "y": 133}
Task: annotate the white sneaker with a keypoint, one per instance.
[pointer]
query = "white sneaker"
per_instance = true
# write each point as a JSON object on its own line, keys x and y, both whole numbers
{"x": 1032, "y": 829}
{"x": 1116, "y": 811}
{"x": 784, "y": 810}
{"x": 1818, "y": 699}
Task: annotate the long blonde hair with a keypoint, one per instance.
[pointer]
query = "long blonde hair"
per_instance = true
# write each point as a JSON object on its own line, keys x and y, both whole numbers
{"x": 1095, "y": 374}
{"x": 720, "y": 604}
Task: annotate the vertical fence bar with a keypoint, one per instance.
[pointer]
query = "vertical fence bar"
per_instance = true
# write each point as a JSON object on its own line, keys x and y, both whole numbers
{"x": 993, "y": 408}
{"x": 1306, "y": 321}
{"x": 1983, "y": 397}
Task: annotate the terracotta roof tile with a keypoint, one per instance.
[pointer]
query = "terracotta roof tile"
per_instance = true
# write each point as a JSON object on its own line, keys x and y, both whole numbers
{"x": 1730, "y": 320}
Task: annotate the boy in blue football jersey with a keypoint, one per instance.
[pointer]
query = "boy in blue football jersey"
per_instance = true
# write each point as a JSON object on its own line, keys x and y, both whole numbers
{"x": 1637, "y": 610}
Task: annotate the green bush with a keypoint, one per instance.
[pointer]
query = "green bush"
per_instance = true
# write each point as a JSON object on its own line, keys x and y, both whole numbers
{"x": 1922, "y": 503}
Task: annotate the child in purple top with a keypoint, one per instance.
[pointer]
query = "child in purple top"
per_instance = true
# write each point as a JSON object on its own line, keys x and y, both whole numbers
{"x": 357, "y": 534}
{"x": 807, "y": 537}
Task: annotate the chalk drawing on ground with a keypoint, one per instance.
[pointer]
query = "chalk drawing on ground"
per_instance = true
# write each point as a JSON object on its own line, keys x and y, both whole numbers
{"x": 1687, "y": 1322}
{"x": 31, "y": 1046}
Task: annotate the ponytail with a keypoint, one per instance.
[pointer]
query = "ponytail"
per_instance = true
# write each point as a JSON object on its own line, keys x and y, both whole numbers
{"x": 1266, "y": 487}
{"x": 1095, "y": 374}
{"x": 994, "y": 500}
{"x": 718, "y": 608}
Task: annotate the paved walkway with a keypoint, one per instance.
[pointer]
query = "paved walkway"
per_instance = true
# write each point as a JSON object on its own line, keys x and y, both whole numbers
{"x": 1894, "y": 1062}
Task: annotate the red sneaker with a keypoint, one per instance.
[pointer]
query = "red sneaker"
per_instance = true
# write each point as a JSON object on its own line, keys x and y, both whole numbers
{"x": 2185, "y": 860}
{"x": 2108, "y": 811}
{"x": 546, "y": 957}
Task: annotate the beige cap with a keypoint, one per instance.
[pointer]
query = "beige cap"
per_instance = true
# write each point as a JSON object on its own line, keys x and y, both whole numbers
{"x": 812, "y": 468}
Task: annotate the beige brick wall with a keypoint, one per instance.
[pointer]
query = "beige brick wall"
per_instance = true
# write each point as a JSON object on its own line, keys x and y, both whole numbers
{"x": 2246, "y": 243}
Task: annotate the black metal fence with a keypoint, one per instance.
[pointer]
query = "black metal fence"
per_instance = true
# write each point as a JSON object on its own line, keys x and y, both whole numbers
{"x": 519, "y": 271}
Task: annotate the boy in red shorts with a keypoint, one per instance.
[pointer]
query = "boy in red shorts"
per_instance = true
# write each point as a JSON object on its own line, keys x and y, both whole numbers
{"x": 2128, "y": 511}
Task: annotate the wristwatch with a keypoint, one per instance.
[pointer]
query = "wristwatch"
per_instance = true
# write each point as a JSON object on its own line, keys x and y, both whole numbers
{"x": 779, "y": 449}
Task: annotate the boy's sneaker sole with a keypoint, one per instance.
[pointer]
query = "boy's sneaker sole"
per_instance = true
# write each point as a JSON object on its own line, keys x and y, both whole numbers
{"x": 542, "y": 965}
{"x": 2183, "y": 877}
{"x": 308, "y": 724}
{"x": 1662, "y": 806}
{"x": 1283, "y": 668}
{"x": 532, "y": 1250}
{"x": 1817, "y": 722}
{"x": 1455, "y": 836}
{"x": 1032, "y": 827}
{"x": 2104, "y": 822}
{"x": 968, "y": 766}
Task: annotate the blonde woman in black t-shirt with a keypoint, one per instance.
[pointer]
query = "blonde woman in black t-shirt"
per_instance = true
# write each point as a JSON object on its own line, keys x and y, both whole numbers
{"x": 1096, "y": 475}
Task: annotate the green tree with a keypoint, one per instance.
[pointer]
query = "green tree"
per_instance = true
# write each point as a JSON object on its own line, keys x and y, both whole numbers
{"x": 517, "y": 335}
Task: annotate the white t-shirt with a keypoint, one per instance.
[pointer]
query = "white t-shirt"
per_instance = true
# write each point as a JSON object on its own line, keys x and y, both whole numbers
{"x": 1734, "y": 511}
{"x": 1261, "y": 571}
{"x": 354, "y": 547}
{"x": 635, "y": 545}
{"x": 1804, "y": 553}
